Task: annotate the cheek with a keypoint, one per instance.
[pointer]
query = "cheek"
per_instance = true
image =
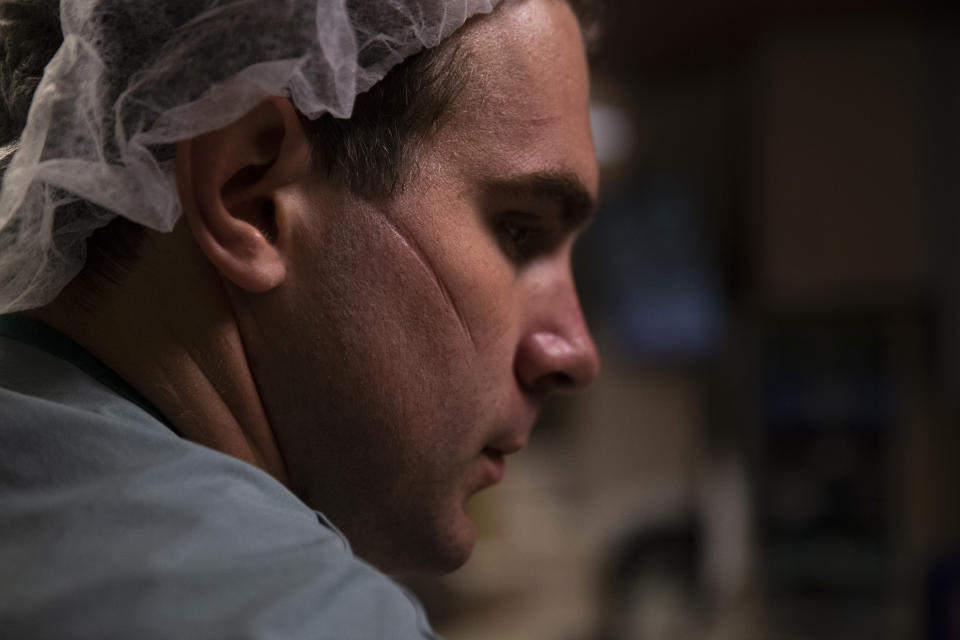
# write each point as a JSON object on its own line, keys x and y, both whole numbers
{"x": 478, "y": 283}
{"x": 486, "y": 286}
{"x": 407, "y": 318}
{"x": 396, "y": 366}
{"x": 416, "y": 329}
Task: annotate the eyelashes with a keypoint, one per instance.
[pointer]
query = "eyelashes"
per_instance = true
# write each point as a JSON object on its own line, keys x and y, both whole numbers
{"x": 523, "y": 236}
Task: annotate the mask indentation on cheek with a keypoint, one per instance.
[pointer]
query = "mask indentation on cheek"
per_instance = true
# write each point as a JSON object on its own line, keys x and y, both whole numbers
{"x": 421, "y": 257}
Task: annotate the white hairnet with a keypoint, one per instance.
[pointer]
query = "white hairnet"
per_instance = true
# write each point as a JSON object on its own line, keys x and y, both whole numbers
{"x": 134, "y": 75}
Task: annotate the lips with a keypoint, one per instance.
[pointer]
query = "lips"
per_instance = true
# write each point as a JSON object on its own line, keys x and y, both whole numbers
{"x": 514, "y": 435}
{"x": 495, "y": 462}
{"x": 494, "y": 454}
{"x": 510, "y": 438}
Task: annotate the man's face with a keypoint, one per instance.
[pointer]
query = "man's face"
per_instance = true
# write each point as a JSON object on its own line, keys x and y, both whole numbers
{"x": 414, "y": 339}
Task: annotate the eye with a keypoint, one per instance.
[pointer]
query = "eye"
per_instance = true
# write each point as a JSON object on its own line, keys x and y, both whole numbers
{"x": 522, "y": 236}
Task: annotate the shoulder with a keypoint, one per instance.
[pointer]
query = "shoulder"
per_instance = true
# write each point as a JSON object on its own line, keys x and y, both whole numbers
{"x": 112, "y": 526}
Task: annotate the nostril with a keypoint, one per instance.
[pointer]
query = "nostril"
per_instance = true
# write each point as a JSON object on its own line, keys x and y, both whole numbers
{"x": 560, "y": 379}
{"x": 556, "y": 381}
{"x": 548, "y": 361}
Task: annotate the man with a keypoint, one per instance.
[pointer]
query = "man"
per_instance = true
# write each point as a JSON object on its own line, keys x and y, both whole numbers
{"x": 366, "y": 343}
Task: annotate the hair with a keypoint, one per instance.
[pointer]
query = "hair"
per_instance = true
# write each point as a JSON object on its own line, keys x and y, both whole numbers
{"x": 375, "y": 149}
{"x": 373, "y": 152}
{"x": 29, "y": 36}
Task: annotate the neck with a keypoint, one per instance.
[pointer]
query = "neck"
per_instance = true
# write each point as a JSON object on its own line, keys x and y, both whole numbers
{"x": 172, "y": 334}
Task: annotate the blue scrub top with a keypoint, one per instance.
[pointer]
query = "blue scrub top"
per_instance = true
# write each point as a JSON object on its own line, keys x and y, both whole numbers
{"x": 113, "y": 526}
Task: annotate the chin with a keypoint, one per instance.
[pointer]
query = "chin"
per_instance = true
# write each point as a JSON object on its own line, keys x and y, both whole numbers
{"x": 454, "y": 556}
{"x": 446, "y": 550}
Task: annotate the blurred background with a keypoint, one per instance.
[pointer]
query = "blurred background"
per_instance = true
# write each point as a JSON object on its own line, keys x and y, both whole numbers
{"x": 773, "y": 280}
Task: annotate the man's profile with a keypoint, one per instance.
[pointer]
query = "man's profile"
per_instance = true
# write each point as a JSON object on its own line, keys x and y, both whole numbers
{"x": 250, "y": 323}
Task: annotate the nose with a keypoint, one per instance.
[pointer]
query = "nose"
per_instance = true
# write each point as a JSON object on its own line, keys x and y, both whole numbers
{"x": 556, "y": 352}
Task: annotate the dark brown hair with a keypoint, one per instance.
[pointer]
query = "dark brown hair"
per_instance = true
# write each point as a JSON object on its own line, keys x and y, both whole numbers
{"x": 372, "y": 151}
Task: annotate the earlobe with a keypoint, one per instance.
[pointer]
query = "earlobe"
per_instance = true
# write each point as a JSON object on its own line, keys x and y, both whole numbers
{"x": 228, "y": 182}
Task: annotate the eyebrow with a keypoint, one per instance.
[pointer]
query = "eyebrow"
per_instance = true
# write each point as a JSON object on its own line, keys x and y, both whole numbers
{"x": 577, "y": 205}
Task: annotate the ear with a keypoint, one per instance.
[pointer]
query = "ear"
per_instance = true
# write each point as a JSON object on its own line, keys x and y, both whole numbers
{"x": 228, "y": 182}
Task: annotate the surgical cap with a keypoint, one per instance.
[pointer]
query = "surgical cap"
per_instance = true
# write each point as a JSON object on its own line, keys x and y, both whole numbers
{"x": 131, "y": 77}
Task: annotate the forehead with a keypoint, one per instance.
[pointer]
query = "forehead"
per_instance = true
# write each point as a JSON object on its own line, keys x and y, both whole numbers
{"x": 525, "y": 102}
